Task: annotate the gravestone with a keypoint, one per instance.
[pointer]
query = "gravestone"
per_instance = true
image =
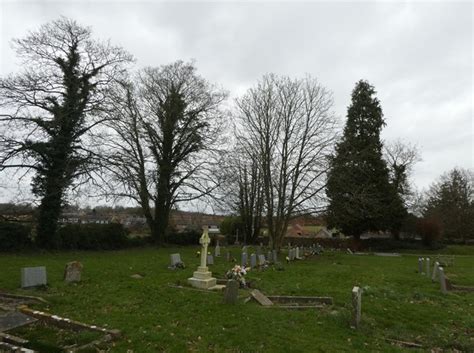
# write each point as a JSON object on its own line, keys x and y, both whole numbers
{"x": 253, "y": 260}
{"x": 420, "y": 265}
{"x": 275, "y": 256}
{"x": 175, "y": 260}
{"x": 210, "y": 260}
{"x": 434, "y": 275}
{"x": 243, "y": 261}
{"x": 442, "y": 280}
{"x": 261, "y": 260}
{"x": 202, "y": 278}
{"x": 72, "y": 272}
{"x": 217, "y": 250}
{"x": 356, "y": 306}
{"x": 428, "y": 267}
{"x": 297, "y": 252}
{"x": 33, "y": 276}
{"x": 231, "y": 292}
{"x": 269, "y": 256}
{"x": 349, "y": 251}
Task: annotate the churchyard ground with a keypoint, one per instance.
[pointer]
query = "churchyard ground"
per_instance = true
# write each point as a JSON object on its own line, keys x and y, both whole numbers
{"x": 397, "y": 303}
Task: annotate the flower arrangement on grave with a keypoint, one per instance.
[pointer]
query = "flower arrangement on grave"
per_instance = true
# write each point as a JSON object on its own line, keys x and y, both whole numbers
{"x": 238, "y": 273}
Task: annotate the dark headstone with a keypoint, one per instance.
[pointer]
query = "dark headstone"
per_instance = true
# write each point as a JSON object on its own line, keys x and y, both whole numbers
{"x": 231, "y": 292}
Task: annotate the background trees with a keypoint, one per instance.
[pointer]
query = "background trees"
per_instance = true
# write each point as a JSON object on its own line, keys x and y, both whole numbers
{"x": 166, "y": 128}
{"x": 287, "y": 129}
{"x": 361, "y": 197}
{"x": 450, "y": 201}
{"x": 49, "y": 108}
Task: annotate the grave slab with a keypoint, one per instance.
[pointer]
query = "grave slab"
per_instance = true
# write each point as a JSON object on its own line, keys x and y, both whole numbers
{"x": 33, "y": 277}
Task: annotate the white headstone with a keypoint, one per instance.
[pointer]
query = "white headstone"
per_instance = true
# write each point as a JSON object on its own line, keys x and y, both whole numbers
{"x": 442, "y": 280}
{"x": 261, "y": 260}
{"x": 434, "y": 275}
{"x": 356, "y": 306}
{"x": 217, "y": 250}
{"x": 33, "y": 277}
{"x": 210, "y": 260}
{"x": 428, "y": 267}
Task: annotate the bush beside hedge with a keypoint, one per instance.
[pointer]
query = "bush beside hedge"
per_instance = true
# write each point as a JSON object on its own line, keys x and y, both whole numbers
{"x": 93, "y": 236}
{"x": 14, "y": 236}
{"x": 188, "y": 237}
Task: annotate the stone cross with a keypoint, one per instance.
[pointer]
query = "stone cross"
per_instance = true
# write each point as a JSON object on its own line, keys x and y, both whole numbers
{"x": 356, "y": 306}
{"x": 204, "y": 241}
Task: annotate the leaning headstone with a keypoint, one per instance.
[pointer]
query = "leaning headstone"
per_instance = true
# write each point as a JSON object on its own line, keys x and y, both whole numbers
{"x": 434, "y": 275}
{"x": 253, "y": 260}
{"x": 33, "y": 276}
{"x": 349, "y": 251}
{"x": 210, "y": 260}
{"x": 356, "y": 306}
{"x": 442, "y": 280}
{"x": 428, "y": 267}
{"x": 275, "y": 256}
{"x": 72, "y": 272}
{"x": 231, "y": 292}
{"x": 244, "y": 259}
{"x": 261, "y": 260}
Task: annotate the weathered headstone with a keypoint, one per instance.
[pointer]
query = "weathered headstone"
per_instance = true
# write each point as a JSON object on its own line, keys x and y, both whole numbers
{"x": 420, "y": 265}
{"x": 244, "y": 259}
{"x": 349, "y": 251}
{"x": 261, "y": 260}
{"x": 175, "y": 260}
{"x": 217, "y": 250}
{"x": 231, "y": 292}
{"x": 72, "y": 272}
{"x": 428, "y": 267}
{"x": 253, "y": 260}
{"x": 356, "y": 306}
{"x": 210, "y": 260}
{"x": 269, "y": 256}
{"x": 297, "y": 252}
{"x": 442, "y": 280}
{"x": 33, "y": 277}
{"x": 434, "y": 275}
{"x": 261, "y": 298}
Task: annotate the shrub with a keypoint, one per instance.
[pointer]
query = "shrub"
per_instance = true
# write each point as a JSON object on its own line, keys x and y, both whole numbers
{"x": 14, "y": 236}
{"x": 429, "y": 229}
{"x": 93, "y": 236}
{"x": 188, "y": 237}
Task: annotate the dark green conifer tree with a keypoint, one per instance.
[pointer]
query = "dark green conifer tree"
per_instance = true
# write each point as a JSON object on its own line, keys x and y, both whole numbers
{"x": 361, "y": 197}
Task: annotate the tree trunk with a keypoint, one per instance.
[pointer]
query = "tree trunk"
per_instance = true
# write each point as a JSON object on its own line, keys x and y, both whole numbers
{"x": 49, "y": 212}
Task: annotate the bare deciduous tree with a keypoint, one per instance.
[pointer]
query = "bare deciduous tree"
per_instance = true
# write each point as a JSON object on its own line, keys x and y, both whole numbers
{"x": 288, "y": 128}
{"x": 48, "y": 110}
{"x": 165, "y": 140}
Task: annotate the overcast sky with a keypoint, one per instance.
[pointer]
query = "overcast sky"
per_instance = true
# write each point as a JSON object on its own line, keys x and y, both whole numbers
{"x": 418, "y": 55}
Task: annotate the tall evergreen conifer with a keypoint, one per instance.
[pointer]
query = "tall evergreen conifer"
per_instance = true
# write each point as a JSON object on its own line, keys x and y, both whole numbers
{"x": 360, "y": 193}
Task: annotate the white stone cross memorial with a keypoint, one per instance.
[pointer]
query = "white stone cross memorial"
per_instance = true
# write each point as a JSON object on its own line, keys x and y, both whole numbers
{"x": 202, "y": 278}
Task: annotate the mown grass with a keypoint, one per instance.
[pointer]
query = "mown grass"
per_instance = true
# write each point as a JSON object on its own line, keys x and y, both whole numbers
{"x": 398, "y": 303}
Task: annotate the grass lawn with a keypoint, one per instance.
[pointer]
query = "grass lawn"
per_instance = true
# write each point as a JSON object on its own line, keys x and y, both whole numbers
{"x": 397, "y": 303}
